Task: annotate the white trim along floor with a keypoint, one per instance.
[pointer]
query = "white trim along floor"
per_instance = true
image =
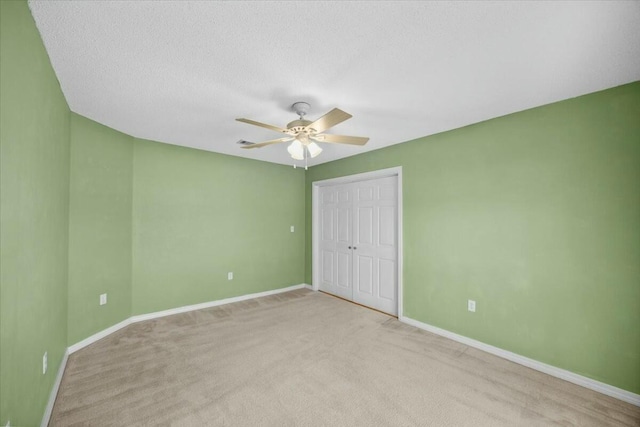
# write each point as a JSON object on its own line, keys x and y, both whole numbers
{"x": 588, "y": 383}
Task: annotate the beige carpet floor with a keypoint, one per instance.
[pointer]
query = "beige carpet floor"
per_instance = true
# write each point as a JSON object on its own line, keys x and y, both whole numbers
{"x": 308, "y": 359}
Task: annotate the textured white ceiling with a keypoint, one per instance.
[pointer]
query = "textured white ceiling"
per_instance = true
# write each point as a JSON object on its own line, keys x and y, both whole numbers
{"x": 181, "y": 71}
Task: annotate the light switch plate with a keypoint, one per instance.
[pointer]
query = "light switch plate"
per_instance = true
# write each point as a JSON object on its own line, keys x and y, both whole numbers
{"x": 471, "y": 305}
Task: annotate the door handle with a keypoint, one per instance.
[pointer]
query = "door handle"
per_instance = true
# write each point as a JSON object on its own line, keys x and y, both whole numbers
{"x": 349, "y": 247}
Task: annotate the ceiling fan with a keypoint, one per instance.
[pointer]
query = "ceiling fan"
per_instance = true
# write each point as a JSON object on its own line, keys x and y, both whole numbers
{"x": 305, "y": 133}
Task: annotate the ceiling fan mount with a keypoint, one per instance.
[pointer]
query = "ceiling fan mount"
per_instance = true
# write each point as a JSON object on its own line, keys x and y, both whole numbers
{"x": 305, "y": 133}
{"x": 300, "y": 108}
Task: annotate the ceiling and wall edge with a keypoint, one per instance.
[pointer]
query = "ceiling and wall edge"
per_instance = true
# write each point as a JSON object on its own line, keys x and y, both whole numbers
{"x": 182, "y": 72}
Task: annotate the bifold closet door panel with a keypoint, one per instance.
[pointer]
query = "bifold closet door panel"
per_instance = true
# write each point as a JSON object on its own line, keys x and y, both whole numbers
{"x": 344, "y": 233}
{"x": 327, "y": 236}
{"x": 375, "y": 244}
{"x": 336, "y": 205}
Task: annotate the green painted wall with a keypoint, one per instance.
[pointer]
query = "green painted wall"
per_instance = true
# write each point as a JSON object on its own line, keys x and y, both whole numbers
{"x": 536, "y": 216}
{"x": 198, "y": 215}
{"x": 34, "y": 200}
{"x": 99, "y": 227}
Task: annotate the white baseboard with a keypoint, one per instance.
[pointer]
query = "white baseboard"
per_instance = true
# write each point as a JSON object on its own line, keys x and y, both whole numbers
{"x": 574, "y": 378}
{"x": 54, "y": 390}
{"x": 307, "y": 286}
{"x": 98, "y": 336}
{"x": 148, "y": 316}
{"x": 186, "y": 308}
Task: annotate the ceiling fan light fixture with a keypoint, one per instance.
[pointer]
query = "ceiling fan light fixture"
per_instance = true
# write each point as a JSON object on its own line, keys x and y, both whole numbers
{"x": 314, "y": 149}
{"x": 305, "y": 133}
{"x": 296, "y": 149}
{"x": 303, "y": 138}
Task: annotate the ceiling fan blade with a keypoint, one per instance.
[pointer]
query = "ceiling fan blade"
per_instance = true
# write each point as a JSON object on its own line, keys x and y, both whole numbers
{"x": 264, "y": 125}
{"x": 330, "y": 119}
{"x": 265, "y": 143}
{"x": 341, "y": 139}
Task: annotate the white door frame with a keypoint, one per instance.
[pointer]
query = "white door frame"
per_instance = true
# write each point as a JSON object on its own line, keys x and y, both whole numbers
{"x": 315, "y": 225}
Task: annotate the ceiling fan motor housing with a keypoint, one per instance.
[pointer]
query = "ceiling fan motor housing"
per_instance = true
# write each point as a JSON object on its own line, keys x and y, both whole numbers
{"x": 299, "y": 129}
{"x": 299, "y": 126}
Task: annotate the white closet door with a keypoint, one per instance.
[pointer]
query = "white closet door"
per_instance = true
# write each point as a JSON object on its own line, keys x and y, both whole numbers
{"x": 358, "y": 242}
{"x": 344, "y": 233}
{"x": 327, "y": 236}
{"x": 336, "y": 206}
{"x": 375, "y": 244}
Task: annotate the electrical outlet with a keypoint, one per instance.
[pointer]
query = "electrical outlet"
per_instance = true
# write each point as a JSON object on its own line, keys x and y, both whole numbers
{"x": 230, "y": 275}
{"x": 8, "y": 423}
{"x": 293, "y": 229}
{"x": 103, "y": 299}
{"x": 44, "y": 363}
{"x": 471, "y": 305}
